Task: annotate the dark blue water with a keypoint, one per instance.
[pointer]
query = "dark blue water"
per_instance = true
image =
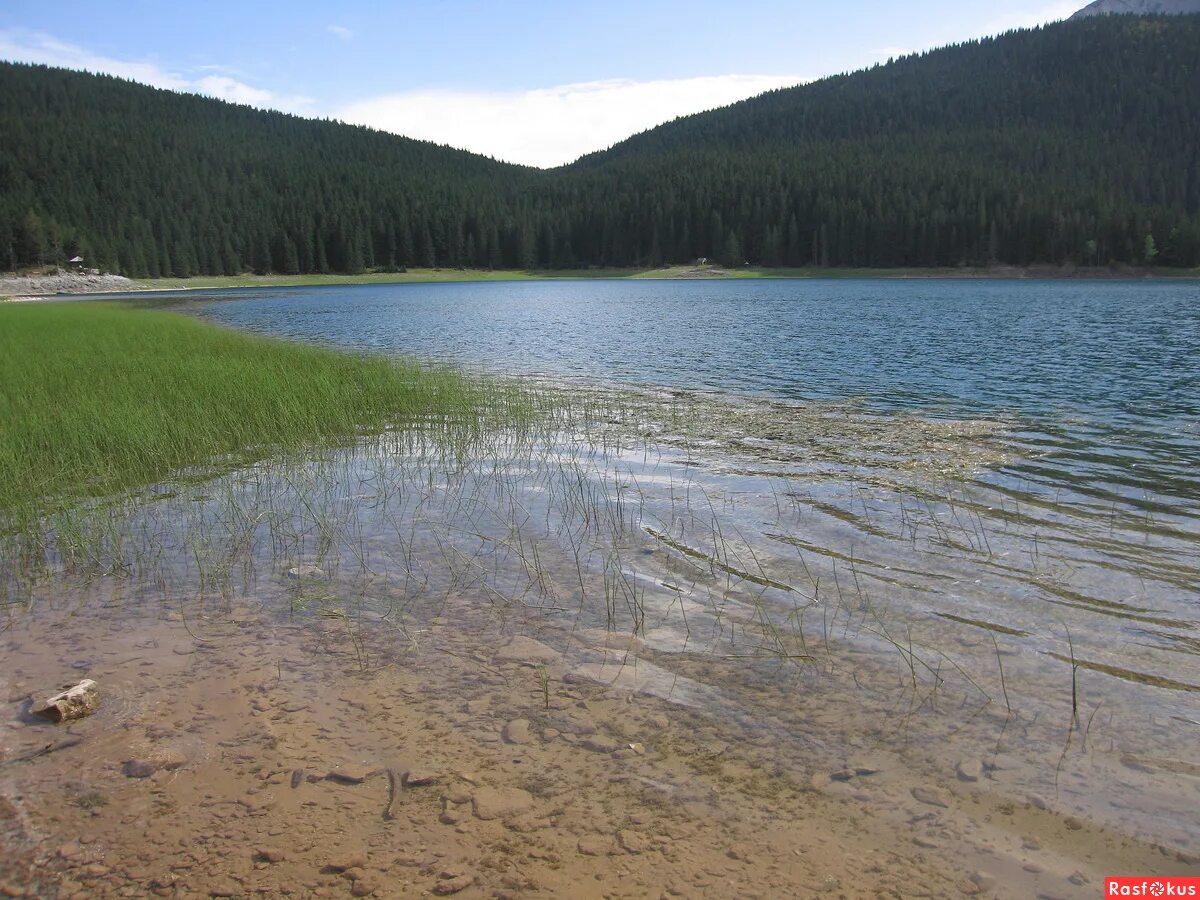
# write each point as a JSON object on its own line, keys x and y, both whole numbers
{"x": 1113, "y": 351}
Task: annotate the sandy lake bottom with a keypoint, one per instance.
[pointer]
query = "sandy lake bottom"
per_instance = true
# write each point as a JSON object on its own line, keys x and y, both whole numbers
{"x": 617, "y": 663}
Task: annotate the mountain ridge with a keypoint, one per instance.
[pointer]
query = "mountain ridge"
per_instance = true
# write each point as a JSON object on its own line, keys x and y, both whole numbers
{"x": 1074, "y": 142}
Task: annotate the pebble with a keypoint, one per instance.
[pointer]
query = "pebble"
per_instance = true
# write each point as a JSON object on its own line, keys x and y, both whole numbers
{"x": 306, "y": 572}
{"x": 517, "y": 732}
{"x": 270, "y": 854}
{"x": 598, "y": 743}
{"x": 420, "y": 778}
{"x": 526, "y": 650}
{"x": 593, "y": 846}
{"x": 453, "y": 885}
{"x": 364, "y": 887}
{"x": 498, "y": 803}
{"x": 347, "y": 775}
{"x": 349, "y": 861}
{"x": 632, "y": 841}
{"x": 930, "y": 797}
{"x": 969, "y": 770}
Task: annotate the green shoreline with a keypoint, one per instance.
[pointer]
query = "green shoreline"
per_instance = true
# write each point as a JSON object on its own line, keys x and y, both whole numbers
{"x": 103, "y": 397}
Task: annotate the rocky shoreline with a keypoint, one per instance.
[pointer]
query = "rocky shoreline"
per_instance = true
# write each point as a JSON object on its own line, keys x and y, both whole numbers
{"x": 28, "y": 287}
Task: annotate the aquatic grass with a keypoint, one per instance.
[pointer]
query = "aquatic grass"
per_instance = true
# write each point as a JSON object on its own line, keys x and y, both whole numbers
{"x": 95, "y": 398}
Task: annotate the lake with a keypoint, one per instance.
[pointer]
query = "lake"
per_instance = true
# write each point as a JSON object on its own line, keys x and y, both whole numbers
{"x": 913, "y": 563}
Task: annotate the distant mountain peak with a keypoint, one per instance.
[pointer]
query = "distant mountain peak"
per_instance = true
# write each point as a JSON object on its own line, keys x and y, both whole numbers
{"x": 1139, "y": 8}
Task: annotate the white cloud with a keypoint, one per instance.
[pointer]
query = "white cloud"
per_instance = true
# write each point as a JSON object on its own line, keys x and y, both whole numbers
{"x": 22, "y": 45}
{"x": 552, "y": 126}
{"x": 340, "y": 31}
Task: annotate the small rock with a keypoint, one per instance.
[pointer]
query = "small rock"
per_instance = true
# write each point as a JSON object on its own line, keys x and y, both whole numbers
{"x": 632, "y": 841}
{"x": 73, "y": 703}
{"x": 494, "y": 803}
{"x": 1072, "y": 823}
{"x": 930, "y": 797}
{"x": 364, "y": 887}
{"x": 526, "y": 650}
{"x": 306, "y": 572}
{"x": 969, "y": 770}
{"x": 347, "y": 775}
{"x": 453, "y": 885}
{"x": 592, "y": 845}
{"x": 270, "y": 854}
{"x": 139, "y": 768}
{"x": 11, "y": 890}
{"x": 354, "y": 873}
{"x": 420, "y": 778}
{"x": 984, "y": 880}
{"x": 352, "y": 860}
{"x": 517, "y": 732}
{"x": 598, "y": 743}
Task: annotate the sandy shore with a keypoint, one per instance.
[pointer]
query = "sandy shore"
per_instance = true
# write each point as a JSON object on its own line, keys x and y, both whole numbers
{"x": 239, "y": 755}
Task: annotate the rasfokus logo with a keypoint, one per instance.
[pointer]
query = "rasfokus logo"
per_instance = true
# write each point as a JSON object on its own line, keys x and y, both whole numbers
{"x": 1152, "y": 887}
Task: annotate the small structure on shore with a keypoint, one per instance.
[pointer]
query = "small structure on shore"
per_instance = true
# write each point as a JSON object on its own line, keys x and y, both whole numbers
{"x": 76, "y": 263}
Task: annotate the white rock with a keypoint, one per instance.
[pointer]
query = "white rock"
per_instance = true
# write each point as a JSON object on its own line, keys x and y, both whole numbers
{"x": 73, "y": 703}
{"x": 306, "y": 572}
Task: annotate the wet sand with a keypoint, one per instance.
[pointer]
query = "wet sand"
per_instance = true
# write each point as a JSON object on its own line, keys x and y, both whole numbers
{"x": 552, "y": 767}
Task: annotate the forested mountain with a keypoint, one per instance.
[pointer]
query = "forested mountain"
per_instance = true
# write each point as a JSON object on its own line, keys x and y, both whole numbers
{"x": 1079, "y": 141}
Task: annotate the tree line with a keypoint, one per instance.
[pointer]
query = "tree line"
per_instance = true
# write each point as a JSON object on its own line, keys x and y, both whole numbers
{"x": 1076, "y": 142}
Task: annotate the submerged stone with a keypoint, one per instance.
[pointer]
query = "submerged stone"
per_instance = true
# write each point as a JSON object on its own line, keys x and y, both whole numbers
{"x": 73, "y": 703}
{"x": 306, "y": 572}
{"x": 526, "y": 650}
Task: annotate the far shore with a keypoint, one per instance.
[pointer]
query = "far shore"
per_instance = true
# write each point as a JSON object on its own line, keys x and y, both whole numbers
{"x": 24, "y": 287}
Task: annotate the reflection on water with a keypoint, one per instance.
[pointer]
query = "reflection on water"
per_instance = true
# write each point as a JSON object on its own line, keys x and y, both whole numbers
{"x": 920, "y": 595}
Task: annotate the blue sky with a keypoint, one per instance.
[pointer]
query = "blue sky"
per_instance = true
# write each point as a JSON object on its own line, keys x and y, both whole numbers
{"x": 536, "y": 82}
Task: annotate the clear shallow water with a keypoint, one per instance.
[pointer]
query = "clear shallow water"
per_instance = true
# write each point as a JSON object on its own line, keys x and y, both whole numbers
{"x": 1102, "y": 378}
{"x": 1007, "y": 510}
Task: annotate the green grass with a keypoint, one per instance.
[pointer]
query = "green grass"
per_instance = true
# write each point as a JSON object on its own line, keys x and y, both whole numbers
{"x": 96, "y": 397}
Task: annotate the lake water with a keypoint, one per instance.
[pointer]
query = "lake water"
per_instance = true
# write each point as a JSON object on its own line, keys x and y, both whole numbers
{"x": 1113, "y": 351}
{"x": 894, "y": 533}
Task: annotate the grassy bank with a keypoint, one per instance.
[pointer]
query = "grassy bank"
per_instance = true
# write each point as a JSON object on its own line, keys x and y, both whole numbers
{"x": 98, "y": 397}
